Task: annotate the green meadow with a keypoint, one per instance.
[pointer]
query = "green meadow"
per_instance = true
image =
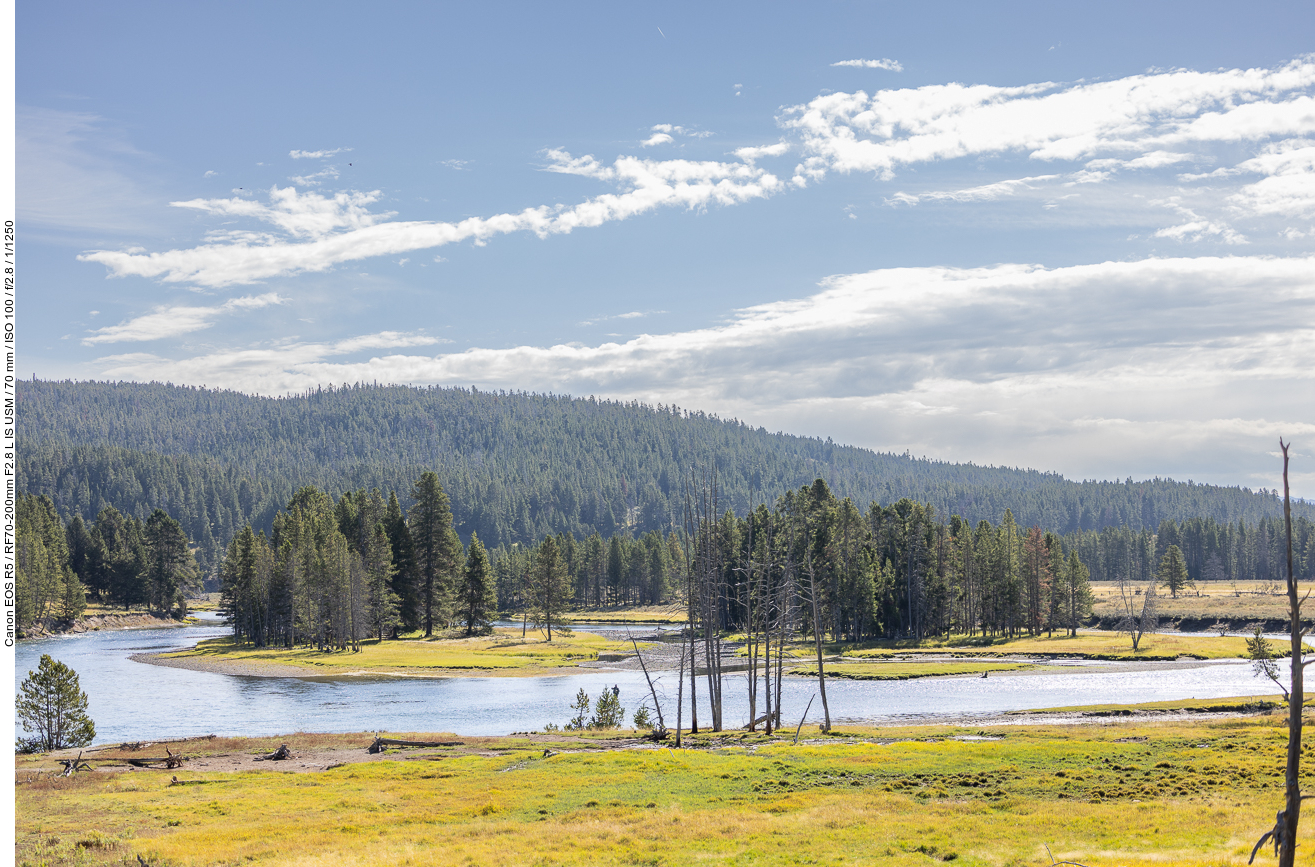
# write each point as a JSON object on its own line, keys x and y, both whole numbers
{"x": 1142, "y": 793}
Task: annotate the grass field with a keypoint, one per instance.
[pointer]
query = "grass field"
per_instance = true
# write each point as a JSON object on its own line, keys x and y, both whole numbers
{"x": 1223, "y": 600}
{"x": 505, "y": 651}
{"x": 1088, "y": 644}
{"x": 650, "y": 614}
{"x": 898, "y": 670}
{"x": 1129, "y": 794}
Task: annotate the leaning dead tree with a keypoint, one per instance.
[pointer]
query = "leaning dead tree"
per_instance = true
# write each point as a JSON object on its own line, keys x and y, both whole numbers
{"x": 1284, "y": 832}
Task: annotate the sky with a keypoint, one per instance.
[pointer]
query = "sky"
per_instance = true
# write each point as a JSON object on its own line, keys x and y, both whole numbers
{"x": 1066, "y": 236}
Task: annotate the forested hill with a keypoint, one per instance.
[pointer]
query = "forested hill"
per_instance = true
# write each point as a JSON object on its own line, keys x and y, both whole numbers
{"x": 516, "y": 466}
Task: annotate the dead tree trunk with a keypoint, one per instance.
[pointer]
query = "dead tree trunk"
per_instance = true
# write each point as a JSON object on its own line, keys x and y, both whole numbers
{"x": 817, "y": 643}
{"x": 1284, "y": 832}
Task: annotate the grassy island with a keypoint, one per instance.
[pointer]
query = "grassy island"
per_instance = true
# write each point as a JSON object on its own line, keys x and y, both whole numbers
{"x": 505, "y": 652}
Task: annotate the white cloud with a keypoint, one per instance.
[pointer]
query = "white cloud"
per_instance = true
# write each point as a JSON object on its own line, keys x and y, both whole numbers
{"x": 883, "y": 63}
{"x": 751, "y": 154}
{"x": 326, "y": 231}
{"x": 1117, "y": 364}
{"x": 984, "y": 193}
{"x": 316, "y": 155}
{"x": 634, "y": 314}
{"x": 456, "y": 165}
{"x": 1138, "y": 115}
{"x": 316, "y": 178}
{"x": 1289, "y": 186}
{"x": 662, "y": 134}
{"x": 173, "y": 321}
{"x": 210, "y": 174}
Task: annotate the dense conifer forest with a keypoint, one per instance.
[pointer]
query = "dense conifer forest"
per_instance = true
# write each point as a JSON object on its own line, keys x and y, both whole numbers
{"x": 516, "y": 466}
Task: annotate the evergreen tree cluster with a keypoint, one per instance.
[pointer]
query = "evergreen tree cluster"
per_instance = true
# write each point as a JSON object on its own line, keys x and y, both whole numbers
{"x": 1210, "y": 550}
{"x": 517, "y": 466}
{"x": 331, "y": 575}
{"x": 896, "y": 571}
{"x": 117, "y": 559}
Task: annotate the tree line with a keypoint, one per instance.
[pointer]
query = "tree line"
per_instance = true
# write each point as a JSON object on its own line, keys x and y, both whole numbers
{"x": 117, "y": 560}
{"x": 516, "y": 466}
{"x": 1211, "y": 550}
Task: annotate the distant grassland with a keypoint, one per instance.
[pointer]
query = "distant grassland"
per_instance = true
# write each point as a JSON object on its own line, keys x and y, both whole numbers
{"x": 910, "y": 670}
{"x": 1088, "y": 644}
{"x": 1214, "y": 600}
{"x": 1140, "y": 794}
{"x": 505, "y": 651}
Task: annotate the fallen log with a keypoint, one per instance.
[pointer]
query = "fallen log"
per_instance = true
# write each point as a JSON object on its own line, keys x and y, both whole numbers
{"x": 277, "y": 756}
{"x": 776, "y": 717}
{"x": 72, "y": 766}
{"x": 381, "y": 744}
{"x": 171, "y": 761}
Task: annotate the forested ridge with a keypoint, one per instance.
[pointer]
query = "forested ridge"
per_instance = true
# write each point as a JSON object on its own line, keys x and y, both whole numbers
{"x": 517, "y": 466}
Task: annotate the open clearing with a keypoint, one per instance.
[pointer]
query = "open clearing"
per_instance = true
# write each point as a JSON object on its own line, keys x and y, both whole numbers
{"x": 1141, "y": 792}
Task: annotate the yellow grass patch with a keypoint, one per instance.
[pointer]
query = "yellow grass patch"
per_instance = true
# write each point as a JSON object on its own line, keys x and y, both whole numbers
{"x": 1196, "y": 793}
{"x": 1088, "y": 644}
{"x": 910, "y": 670}
{"x": 503, "y": 651}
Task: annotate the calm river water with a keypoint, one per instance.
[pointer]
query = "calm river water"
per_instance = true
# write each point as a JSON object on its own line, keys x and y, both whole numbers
{"x": 137, "y": 701}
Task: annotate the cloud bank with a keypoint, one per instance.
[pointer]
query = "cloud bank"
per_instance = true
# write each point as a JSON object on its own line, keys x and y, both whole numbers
{"x": 1059, "y": 368}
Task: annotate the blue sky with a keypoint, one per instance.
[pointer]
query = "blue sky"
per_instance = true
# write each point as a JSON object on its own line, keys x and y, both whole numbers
{"x": 1054, "y": 235}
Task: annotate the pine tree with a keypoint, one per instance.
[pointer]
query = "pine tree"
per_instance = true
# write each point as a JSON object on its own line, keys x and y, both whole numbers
{"x": 550, "y": 591}
{"x": 53, "y": 707}
{"x": 171, "y": 569}
{"x": 404, "y": 576}
{"x": 1173, "y": 571}
{"x": 477, "y": 602}
{"x": 437, "y": 548}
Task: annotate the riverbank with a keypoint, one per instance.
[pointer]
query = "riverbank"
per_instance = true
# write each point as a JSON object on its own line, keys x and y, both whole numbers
{"x": 1133, "y": 791}
{"x": 102, "y": 621}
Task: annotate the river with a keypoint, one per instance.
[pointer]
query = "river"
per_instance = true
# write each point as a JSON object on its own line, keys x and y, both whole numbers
{"x": 137, "y": 701}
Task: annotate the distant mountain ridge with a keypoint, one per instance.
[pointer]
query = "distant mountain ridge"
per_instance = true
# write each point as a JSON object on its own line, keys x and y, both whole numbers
{"x": 516, "y": 465}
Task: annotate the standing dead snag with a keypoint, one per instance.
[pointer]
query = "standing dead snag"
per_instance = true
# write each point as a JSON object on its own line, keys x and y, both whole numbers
{"x": 1284, "y": 832}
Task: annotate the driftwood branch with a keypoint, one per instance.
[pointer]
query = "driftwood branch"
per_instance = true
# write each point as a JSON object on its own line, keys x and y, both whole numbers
{"x": 776, "y": 717}
{"x": 802, "y": 718}
{"x": 171, "y": 760}
{"x": 277, "y": 756}
{"x": 72, "y": 766}
{"x": 381, "y": 744}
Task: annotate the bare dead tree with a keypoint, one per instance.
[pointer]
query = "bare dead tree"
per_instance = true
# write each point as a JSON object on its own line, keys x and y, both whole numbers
{"x": 1284, "y": 832}
{"x": 657, "y": 705}
{"x": 816, "y": 603}
{"x": 1133, "y": 622}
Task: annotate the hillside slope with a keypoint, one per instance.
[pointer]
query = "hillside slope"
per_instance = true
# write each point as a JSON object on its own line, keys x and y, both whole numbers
{"x": 515, "y": 465}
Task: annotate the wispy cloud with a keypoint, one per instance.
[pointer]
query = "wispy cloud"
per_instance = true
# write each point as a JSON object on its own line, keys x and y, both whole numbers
{"x": 327, "y": 231}
{"x": 317, "y": 155}
{"x": 173, "y": 321}
{"x": 664, "y": 133}
{"x": 634, "y": 314}
{"x": 883, "y": 63}
{"x": 983, "y": 193}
